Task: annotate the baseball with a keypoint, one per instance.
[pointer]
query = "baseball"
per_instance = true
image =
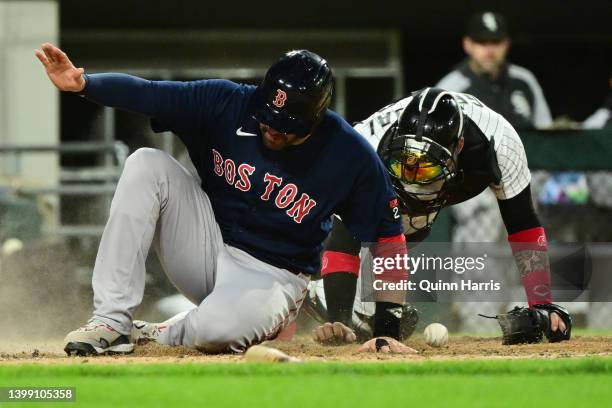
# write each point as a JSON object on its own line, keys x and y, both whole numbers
{"x": 436, "y": 335}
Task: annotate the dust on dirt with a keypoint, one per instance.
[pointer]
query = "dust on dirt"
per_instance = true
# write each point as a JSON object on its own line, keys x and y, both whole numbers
{"x": 459, "y": 348}
{"x": 41, "y": 295}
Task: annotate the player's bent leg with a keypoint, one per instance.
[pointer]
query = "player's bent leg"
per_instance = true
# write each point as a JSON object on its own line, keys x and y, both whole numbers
{"x": 251, "y": 302}
{"x": 153, "y": 189}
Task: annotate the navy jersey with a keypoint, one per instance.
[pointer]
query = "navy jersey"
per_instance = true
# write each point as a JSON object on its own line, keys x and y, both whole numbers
{"x": 275, "y": 205}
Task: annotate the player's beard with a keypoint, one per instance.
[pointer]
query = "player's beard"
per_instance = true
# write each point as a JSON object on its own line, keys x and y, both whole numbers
{"x": 279, "y": 141}
{"x": 275, "y": 142}
{"x": 490, "y": 66}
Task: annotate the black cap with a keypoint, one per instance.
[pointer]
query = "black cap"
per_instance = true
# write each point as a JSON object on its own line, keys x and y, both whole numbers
{"x": 487, "y": 26}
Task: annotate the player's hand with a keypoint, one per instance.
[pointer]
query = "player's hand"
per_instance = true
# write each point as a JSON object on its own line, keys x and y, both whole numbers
{"x": 334, "y": 333}
{"x": 556, "y": 323}
{"x": 385, "y": 345}
{"x": 64, "y": 75}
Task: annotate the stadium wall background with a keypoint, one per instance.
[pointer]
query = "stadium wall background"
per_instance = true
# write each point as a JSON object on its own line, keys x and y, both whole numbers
{"x": 568, "y": 45}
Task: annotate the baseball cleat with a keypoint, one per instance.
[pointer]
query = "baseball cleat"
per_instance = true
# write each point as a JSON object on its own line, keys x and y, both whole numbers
{"x": 144, "y": 332}
{"x": 97, "y": 338}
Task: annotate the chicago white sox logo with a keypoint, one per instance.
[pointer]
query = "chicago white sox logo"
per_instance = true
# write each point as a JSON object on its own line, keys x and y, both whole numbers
{"x": 281, "y": 97}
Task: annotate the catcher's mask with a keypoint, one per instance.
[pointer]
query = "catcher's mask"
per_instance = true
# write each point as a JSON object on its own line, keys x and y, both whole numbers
{"x": 421, "y": 150}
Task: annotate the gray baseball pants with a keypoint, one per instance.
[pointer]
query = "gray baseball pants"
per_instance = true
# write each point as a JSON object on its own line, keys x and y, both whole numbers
{"x": 241, "y": 300}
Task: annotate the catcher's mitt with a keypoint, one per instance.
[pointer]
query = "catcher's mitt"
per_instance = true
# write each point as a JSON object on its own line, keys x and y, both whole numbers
{"x": 530, "y": 325}
{"x": 410, "y": 319}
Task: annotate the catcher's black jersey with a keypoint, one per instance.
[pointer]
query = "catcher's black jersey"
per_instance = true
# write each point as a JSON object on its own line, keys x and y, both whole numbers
{"x": 493, "y": 155}
{"x": 516, "y": 94}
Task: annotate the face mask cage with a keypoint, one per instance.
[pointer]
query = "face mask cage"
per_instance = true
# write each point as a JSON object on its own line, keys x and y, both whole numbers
{"x": 421, "y": 170}
{"x": 418, "y": 223}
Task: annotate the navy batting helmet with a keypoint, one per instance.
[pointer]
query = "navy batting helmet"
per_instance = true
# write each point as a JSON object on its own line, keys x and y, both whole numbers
{"x": 295, "y": 93}
{"x": 421, "y": 150}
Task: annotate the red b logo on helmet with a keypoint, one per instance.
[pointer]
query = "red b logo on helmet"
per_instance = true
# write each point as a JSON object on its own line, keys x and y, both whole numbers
{"x": 280, "y": 99}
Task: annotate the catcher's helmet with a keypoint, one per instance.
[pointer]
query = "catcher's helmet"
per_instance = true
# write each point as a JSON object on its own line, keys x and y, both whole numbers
{"x": 295, "y": 93}
{"x": 420, "y": 151}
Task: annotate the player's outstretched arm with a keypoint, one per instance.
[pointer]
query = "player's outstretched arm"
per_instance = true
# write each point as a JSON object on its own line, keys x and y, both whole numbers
{"x": 60, "y": 70}
{"x": 530, "y": 250}
{"x": 121, "y": 91}
{"x": 176, "y": 106}
{"x": 339, "y": 269}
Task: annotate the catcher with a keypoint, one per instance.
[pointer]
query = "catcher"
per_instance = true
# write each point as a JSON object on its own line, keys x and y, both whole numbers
{"x": 442, "y": 148}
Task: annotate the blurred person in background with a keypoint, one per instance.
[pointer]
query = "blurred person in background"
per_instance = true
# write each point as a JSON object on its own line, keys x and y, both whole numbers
{"x": 509, "y": 89}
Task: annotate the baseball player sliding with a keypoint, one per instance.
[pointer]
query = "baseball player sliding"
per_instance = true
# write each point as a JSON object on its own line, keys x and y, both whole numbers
{"x": 275, "y": 164}
{"x": 442, "y": 148}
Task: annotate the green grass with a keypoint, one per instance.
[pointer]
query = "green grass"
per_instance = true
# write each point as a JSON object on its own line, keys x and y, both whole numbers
{"x": 571, "y": 382}
{"x": 575, "y": 332}
{"x": 592, "y": 332}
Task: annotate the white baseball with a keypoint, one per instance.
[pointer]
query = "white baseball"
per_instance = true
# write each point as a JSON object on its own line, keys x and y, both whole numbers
{"x": 436, "y": 335}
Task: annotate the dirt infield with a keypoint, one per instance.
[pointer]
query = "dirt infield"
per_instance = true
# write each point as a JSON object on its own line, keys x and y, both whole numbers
{"x": 459, "y": 348}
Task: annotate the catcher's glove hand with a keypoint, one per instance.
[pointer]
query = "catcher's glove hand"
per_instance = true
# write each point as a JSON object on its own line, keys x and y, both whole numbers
{"x": 529, "y": 325}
